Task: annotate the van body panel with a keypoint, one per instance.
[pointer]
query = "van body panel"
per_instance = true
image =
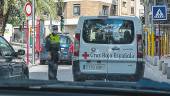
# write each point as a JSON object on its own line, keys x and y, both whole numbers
{"x": 103, "y": 46}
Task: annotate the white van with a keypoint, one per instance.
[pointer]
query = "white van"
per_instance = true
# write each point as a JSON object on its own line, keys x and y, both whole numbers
{"x": 108, "y": 48}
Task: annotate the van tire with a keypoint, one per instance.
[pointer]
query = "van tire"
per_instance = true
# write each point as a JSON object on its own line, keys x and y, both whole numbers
{"x": 139, "y": 71}
{"x": 42, "y": 62}
{"x": 78, "y": 79}
{"x": 75, "y": 69}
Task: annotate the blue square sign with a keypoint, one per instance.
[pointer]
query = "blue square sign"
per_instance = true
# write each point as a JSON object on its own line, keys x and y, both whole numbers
{"x": 159, "y": 13}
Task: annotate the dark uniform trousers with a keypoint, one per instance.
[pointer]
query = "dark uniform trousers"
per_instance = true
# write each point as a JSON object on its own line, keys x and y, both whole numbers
{"x": 53, "y": 66}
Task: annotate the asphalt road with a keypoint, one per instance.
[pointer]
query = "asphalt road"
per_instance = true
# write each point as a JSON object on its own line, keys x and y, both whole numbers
{"x": 40, "y": 72}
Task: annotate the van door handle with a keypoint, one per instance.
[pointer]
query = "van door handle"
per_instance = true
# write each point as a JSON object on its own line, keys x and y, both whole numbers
{"x": 115, "y": 48}
{"x": 88, "y": 61}
{"x": 98, "y": 61}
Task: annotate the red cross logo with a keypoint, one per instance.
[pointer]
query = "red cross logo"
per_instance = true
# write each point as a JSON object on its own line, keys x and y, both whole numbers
{"x": 85, "y": 55}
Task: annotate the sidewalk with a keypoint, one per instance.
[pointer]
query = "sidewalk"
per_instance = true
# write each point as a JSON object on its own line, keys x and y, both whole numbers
{"x": 32, "y": 65}
{"x": 155, "y": 72}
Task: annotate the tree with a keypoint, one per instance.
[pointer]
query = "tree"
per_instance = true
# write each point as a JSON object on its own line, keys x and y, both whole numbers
{"x": 48, "y": 6}
{"x": 13, "y": 11}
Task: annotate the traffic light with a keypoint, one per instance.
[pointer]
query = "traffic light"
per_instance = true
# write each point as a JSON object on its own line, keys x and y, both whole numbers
{"x": 62, "y": 22}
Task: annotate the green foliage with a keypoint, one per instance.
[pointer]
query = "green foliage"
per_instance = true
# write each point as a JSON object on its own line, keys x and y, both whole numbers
{"x": 17, "y": 15}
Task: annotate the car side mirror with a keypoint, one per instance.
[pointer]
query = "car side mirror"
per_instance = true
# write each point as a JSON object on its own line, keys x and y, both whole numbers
{"x": 21, "y": 52}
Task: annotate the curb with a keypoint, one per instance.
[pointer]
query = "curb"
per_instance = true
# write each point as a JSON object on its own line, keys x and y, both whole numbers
{"x": 37, "y": 62}
{"x": 32, "y": 65}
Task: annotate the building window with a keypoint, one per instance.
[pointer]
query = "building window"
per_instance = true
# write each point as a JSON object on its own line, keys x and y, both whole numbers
{"x": 124, "y": 4}
{"x": 141, "y": 2}
{"x": 132, "y": 10}
{"x": 132, "y": 0}
{"x": 76, "y": 9}
{"x": 159, "y": 2}
{"x": 114, "y": 10}
{"x": 168, "y": 1}
{"x": 105, "y": 10}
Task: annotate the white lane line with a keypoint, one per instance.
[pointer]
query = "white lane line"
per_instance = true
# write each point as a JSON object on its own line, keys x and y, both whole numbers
{"x": 64, "y": 67}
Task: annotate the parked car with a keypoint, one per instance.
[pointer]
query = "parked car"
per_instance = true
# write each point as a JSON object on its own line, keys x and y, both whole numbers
{"x": 12, "y": 65}
{"x": 65, "y": 56}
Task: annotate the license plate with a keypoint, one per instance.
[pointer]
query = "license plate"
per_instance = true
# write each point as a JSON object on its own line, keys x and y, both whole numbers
{"x": 94, "y": 67}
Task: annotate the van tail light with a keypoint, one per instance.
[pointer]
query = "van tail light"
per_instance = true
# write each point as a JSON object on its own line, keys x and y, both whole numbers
{"x": 139, "y": 46}
{"x": 77, "y": 44}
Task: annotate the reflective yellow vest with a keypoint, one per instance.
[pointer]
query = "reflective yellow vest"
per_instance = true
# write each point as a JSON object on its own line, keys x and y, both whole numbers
{"x": 55, "y": 38}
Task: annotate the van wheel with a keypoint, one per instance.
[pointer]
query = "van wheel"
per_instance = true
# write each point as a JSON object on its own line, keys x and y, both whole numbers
{"x": 79, "y": 79}
{"x": 140, "y": 71}
{"x": 42, "y": 62}
{"x": 69, "y": 62}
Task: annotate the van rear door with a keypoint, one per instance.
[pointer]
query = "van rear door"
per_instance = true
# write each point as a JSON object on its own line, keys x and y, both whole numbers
{"x": 108, "y": 45}
{"x": 122, "y": 46}
{"x": 93, "y": 48}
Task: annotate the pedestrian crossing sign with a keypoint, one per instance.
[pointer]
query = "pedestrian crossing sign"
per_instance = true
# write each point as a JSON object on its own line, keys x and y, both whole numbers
{"x": 159, "y": 13}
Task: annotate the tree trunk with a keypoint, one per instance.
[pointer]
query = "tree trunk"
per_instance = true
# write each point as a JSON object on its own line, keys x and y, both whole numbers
{"x": 4, "y": 21}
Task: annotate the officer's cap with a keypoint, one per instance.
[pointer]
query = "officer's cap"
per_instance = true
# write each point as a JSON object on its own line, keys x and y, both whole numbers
{"x": 54, "y": 27}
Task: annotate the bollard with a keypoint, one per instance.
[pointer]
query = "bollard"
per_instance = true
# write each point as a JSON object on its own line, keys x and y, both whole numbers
{"x": 168, "y": 73}
{"x": 164, "y": 68}
{"x": 155, "y": 61}
{"x": 160, "y": 64}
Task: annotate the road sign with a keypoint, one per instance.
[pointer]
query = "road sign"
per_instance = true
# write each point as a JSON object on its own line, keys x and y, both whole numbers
{"x": 159, "y": 13}
{"x": 28, "y": 8}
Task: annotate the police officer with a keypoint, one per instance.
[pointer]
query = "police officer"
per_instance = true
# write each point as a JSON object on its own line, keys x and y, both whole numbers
{"x": 53, "y": 46}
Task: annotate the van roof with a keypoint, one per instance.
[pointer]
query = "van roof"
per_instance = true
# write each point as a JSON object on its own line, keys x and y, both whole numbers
{"x": 134, "y": 18}
{"x": 122, "y": 17}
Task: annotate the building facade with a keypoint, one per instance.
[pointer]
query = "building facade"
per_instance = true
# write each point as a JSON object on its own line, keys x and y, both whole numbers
{"x": 130, "y": 8}
{"x": 73, "y": 9}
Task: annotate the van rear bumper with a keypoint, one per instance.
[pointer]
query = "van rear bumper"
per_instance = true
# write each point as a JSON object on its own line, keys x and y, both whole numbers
{"x": 79, "y": 76}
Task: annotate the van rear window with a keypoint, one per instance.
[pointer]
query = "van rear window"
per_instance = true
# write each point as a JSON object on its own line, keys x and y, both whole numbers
{"x": 108, "y": 31}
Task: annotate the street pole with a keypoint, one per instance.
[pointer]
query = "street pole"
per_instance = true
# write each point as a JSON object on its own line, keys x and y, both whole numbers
{"x": 23, "y": 27}
{"x": 33, "y": 33}
{"x": 159, "y": 40}
{"x": 27, "y": 40}
{"x": 50, "y": 23}
{"x": 146, "y": 10}
{"x": 146, "y": 15}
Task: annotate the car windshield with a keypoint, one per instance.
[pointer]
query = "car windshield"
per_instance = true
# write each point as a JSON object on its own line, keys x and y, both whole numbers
{"x": 64, "y": 40}
{"x": 5, "y": 48}
{"x": 96, "y": 43}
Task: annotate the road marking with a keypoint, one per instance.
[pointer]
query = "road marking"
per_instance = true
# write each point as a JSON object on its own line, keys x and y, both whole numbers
{"x": 64, "y": 67}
